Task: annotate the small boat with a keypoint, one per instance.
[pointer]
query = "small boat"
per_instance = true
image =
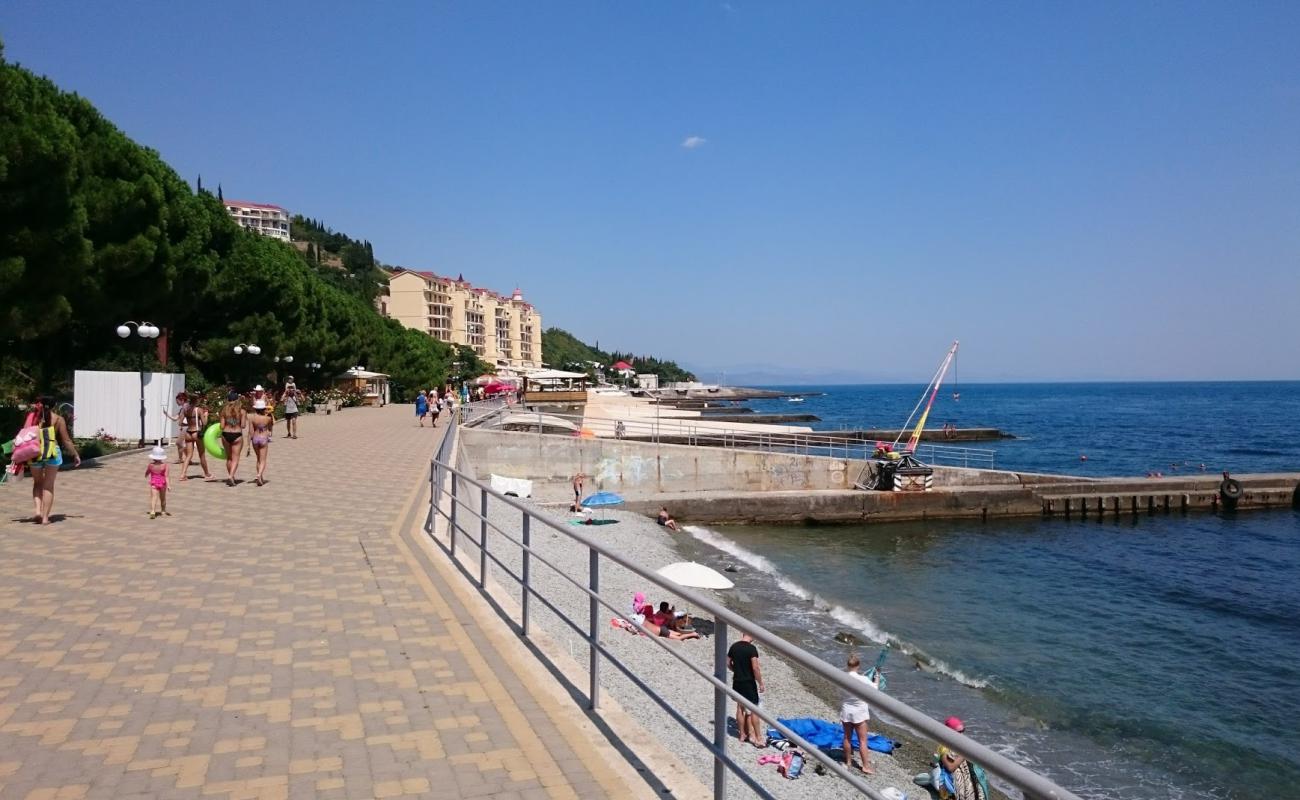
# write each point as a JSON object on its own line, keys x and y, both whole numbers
{"x": 794, "y": 399}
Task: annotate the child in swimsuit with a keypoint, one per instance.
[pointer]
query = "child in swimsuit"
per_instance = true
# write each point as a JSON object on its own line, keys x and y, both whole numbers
{"x": 158, "y": 482}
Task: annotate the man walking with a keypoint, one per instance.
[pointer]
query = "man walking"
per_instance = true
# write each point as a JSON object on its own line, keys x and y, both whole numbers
{"x": 747, "y": 680}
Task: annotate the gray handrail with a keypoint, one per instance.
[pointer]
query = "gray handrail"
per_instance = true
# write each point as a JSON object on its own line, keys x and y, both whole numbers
{"x": 441, "y": 468}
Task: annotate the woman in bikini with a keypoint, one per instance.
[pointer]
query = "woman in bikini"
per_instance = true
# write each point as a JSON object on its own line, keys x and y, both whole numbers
{"x": 259, "y": 434}
{"x": 233, "y": 421}
{"x": 193, "y": 417}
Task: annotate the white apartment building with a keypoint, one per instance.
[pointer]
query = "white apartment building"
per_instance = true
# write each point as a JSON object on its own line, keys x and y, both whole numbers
{"x": 265, "y": 219}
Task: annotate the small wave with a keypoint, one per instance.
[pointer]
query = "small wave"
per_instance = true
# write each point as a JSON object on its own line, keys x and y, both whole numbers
{"x": 1254, "y": 451}
{"x": 852, "y": 619}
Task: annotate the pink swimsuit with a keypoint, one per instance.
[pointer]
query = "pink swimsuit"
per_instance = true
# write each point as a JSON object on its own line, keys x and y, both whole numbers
{"x": 158, "y": 480}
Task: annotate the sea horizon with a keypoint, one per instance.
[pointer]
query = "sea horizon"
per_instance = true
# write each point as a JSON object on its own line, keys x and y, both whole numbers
{"x": 1044, "y": 382}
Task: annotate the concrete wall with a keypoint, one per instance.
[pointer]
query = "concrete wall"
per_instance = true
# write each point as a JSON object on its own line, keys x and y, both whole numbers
{"x": 637, "y": 469}
{"x": 842, "y": 506}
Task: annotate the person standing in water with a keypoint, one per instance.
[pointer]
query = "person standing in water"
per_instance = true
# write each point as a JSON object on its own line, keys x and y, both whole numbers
{"x": 259, "y": 437}
{"x": 233, "y": 420}
{"x": 159, "y": 482}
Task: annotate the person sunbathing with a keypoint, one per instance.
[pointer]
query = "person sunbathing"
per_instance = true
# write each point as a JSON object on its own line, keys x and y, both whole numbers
{"x": 667, "y": 632}
{"x": 664, "y": 616}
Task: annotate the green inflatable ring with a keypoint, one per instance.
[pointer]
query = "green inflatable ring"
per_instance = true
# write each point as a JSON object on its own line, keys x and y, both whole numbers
{"x": 212, "y": 441}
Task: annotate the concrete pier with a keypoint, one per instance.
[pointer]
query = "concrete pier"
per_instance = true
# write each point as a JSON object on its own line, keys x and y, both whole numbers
{"x": 715, "y": 484}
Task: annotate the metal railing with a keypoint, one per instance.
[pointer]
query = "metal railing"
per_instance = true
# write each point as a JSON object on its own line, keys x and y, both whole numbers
{"x": 465, "y": 504}
{"x": 681, "y": 430}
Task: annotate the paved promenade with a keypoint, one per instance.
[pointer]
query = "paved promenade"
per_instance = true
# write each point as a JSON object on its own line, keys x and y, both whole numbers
{"x": 289, "y": 640}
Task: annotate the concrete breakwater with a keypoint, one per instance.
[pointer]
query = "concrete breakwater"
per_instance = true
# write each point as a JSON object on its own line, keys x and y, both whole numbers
{"x": 708, "y": 484}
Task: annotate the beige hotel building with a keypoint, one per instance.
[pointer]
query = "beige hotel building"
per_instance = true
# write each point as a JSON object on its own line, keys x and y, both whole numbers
{"x": 505, "y": 331}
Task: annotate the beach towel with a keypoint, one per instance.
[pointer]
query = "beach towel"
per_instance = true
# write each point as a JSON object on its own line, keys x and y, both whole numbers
{"x": 520, "y": 486}
{"x": 830, "y": 735}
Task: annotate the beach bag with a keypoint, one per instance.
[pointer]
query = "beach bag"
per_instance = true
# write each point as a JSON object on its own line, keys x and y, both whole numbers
{"x": 27, "y": 445}
{"x": 791, "y": 765}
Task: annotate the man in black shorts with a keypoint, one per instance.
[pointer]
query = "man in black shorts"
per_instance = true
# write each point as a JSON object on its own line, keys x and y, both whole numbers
{"x": 290, "y": 400}
{"x": 747, "y": 680}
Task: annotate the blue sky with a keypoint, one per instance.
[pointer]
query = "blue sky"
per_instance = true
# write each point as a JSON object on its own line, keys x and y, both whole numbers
{"x": 1074, "y": 190}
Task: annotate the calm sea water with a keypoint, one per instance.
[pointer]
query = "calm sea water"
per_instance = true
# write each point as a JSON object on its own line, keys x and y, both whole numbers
{"x": 1156, "y": 658}
{"x": 1122, "y": 428}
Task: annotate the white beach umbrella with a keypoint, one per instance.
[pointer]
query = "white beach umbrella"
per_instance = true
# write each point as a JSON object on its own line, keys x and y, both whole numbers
{"x": 695, "y": 576}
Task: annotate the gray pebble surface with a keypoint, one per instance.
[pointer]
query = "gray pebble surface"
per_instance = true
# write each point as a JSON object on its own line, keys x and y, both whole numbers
{"x": 642, "y": 541}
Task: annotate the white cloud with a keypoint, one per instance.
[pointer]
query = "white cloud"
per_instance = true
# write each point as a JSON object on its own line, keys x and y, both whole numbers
{"x": 692, "y": 142}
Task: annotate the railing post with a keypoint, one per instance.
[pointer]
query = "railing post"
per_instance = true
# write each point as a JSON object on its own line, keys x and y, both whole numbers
{"x": 482, "y": 539}
{"x": 593, "y": 630}
{"x": 454, "y": 504}
{"x": 433, "y": 495}
{"x": 523, "y": 601}
{"x": 720, "y": 710}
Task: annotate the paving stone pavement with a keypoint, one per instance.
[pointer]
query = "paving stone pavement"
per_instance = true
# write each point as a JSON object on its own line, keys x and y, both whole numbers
{"x": 264, "y": 642}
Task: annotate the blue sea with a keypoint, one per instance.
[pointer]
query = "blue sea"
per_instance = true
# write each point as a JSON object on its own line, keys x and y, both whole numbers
{"x": 1148, "y": 658}
{"x": 1121, "y": 428}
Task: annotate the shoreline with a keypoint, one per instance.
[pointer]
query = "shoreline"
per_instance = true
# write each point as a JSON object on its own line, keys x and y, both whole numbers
{"x": 790, "y": 692}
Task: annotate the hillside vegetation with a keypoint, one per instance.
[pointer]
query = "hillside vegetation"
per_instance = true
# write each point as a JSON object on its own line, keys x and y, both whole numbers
{"x": 563, "y": 350}
{"x": 96, "y": 230}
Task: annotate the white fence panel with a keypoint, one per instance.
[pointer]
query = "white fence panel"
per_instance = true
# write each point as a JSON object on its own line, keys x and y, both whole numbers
{"x": 110, "y": 401}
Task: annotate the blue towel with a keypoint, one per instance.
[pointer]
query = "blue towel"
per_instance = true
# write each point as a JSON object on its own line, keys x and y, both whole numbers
{"x": 830, "y": 735}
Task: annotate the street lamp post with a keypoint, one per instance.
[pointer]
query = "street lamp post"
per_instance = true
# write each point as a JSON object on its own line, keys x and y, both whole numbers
{"x": 251, "y": 349}
{"x": 281, "y": 360}
{"x": 145, "y": 330}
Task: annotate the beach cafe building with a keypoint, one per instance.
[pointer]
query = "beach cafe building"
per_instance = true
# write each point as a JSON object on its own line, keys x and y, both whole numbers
{"x": 372, "y": 385}
{"x": 555, "y": 386}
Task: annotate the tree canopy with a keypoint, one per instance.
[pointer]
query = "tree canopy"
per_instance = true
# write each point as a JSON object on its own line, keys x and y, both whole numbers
{"x": 96, "y": 230}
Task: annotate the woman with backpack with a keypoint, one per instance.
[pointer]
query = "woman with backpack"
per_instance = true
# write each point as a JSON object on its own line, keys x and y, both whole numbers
{"x": 51, "y": 431}
{"x": 233, "y": 420}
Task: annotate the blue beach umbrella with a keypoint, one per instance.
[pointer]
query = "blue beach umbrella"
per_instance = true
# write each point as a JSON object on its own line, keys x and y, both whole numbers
{"x": 602, "y": 499}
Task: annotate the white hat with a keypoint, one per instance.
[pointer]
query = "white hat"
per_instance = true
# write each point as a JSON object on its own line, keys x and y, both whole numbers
{"x": 259, "y": 403}
{"x": 157, "y": 453}
{"x": 258, "y": 388}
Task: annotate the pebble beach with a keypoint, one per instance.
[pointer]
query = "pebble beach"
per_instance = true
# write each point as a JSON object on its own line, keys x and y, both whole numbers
{"x": 641, "y": 540}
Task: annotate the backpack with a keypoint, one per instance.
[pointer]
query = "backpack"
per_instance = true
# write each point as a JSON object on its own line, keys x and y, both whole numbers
{"x": 32, "y": 443}
{"x": 791, "y": 765}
